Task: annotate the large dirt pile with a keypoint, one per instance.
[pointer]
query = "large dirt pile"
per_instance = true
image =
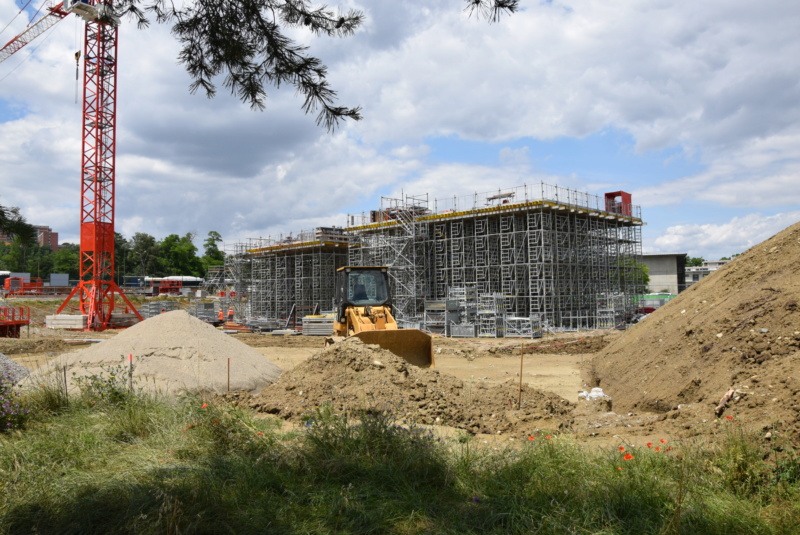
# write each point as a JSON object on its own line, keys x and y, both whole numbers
{"x": 738, "y": 328}
{"x": 352, "y": 375}
{"x": 173, "y": 352}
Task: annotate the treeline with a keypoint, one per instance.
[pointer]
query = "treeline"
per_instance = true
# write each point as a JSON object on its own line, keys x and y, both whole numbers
{"x": 140, "y": 255}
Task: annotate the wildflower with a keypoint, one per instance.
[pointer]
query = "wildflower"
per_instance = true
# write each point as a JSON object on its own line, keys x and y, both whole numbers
{"x": 204, "y": 405}
{"x": 627, "y": 457}
{"x": 649, "y": 445}
{"x": 619, "y": 468}
{"x": 669, "y": 449}
{"x": 548, "y": 437}
{"x": 663, "y": 441}
{"x": 531, "y": 438}
{"x": 475, "y": 499}
{"x": 260, "y": 433}
{"x": 622, "y": 448}
{"x": 729, "y": 417}
{"x": 658, "y": 448}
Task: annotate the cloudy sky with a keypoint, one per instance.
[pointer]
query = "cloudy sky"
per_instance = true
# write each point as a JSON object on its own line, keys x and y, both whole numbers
{"x": 693, "y": 107}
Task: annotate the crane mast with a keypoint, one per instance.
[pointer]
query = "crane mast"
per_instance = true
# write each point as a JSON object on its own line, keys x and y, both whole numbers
{"x": 96, "y": 290}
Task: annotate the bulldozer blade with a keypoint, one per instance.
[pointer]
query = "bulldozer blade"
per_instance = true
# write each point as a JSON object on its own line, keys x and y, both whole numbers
{"x": 412, "y": 345}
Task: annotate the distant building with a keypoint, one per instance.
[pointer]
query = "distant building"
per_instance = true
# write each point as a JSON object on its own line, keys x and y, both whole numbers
{"x": 697, "y": 273}
{"x": 46, "y": 236}
{"x": 667, "y": 272}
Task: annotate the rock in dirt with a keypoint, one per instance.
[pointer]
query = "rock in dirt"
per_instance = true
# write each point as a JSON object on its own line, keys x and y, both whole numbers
{"x": 352, "y": 376}
{"x": 173, "y": 352}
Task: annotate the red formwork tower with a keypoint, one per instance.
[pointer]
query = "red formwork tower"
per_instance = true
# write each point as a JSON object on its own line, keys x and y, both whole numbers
{"x": 96, "y": 289}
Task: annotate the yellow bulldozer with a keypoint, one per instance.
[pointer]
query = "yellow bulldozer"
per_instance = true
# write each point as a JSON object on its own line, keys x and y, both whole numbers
{"x": 364, "y": 310}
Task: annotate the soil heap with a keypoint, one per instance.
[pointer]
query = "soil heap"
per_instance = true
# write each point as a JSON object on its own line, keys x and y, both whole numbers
{"x": 352, "y": 376}
{"x": 174, "y": 352}
{"x": 737, "y": 328}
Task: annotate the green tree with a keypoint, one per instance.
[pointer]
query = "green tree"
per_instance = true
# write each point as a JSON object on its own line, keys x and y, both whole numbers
{"x": 213, "y": 256}
{"x": 144, "y": 253}
{"x": 13, "y": 225}
{"x": 694, "y": 261}
{"x": 179, "y": 256}
{"x": 247, "y": 42}
{"x": 39, "y": 261}
{"x": 67, "y": 259}
{"x": 122, "y": 257}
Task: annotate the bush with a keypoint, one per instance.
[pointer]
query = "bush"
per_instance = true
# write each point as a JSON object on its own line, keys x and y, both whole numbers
{"x": 112, "y": 386}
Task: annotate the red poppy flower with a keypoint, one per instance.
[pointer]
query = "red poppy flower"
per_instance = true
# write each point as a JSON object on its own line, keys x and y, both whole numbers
{"x": 649, "y": 444}
{"x": 548, "y": 437}
{"x": 531, "y": 438}
{"x": 627, "y": 456}
{"x": 259, "y": 433}
{"x": 658, "y": 448}
{"x": 622, "y": 448}
{"x": 663, "y": 441}
{"x": 729, "y": 417}
{"x": 204, "y": 405}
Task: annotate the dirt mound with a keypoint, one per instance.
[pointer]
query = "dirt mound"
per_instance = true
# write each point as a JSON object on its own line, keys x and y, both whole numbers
{"x": 173, "y": 352}
{"x": 353, "y": 376}
{"x": 738, "y": 328}
{"x": 577, "y": 346}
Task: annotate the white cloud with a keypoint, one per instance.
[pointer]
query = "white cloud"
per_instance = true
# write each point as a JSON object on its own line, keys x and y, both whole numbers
{"x": 713, "y": 241}
{"x": 716, "y": 79}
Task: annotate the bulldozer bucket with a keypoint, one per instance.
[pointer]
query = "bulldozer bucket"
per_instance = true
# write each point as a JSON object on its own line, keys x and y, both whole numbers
{"x": 414, "y": 346}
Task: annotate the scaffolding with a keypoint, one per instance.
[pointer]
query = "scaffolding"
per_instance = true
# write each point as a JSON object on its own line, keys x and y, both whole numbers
{"x": 546, "y": 256}
{"x": 287, "y": 277}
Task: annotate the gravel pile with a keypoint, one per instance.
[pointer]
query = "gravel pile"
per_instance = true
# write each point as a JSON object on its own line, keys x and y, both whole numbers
{"x": 15, "y": 371}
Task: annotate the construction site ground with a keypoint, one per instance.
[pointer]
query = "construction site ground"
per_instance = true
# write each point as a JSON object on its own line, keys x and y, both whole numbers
{"x": 557, "y": 364}
{"x": 737, "y": 332}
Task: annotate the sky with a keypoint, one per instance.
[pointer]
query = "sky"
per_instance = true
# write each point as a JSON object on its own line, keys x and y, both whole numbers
{"x": 692, "y": 107}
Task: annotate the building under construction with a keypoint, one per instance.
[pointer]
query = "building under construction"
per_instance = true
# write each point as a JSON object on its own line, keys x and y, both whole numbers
{"x": 510, "y": 262}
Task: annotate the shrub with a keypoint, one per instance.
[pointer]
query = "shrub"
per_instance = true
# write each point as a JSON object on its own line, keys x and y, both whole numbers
{"x": 111, "y": 386}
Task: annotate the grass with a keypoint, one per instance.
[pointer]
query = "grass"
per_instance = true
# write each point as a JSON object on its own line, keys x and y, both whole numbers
{"x": 138, "y": 464}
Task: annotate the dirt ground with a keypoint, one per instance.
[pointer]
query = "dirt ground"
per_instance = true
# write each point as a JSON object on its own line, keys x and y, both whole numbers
{"x": 553, "y": 372}
{"x": 737, "y": 332}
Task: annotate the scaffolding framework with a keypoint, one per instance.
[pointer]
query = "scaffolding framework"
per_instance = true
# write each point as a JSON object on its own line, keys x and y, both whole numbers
{"x": 288, "y": 277}
{"x": 560, "y": 258}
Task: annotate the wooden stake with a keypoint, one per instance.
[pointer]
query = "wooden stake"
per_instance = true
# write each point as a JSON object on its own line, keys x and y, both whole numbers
{"x": 519, "y": 399}
{"x": 66, "y": 390}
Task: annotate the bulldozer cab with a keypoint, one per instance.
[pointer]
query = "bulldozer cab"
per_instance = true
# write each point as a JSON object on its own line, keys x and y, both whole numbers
{"x": 362, "y": 286}
{"x": 364, "y": 311}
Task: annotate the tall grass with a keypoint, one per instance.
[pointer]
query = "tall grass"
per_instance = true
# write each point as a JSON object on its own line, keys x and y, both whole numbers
{"x": 197, "y": 465}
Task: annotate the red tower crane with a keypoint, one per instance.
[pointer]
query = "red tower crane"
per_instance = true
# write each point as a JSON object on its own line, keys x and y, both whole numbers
{"x": 96, "y": 289}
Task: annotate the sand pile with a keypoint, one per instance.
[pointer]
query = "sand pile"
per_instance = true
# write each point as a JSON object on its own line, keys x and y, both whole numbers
{"x": 738, "y": 328}
{"x": 352, "y": 375}
{"x": 173, "y": 352}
